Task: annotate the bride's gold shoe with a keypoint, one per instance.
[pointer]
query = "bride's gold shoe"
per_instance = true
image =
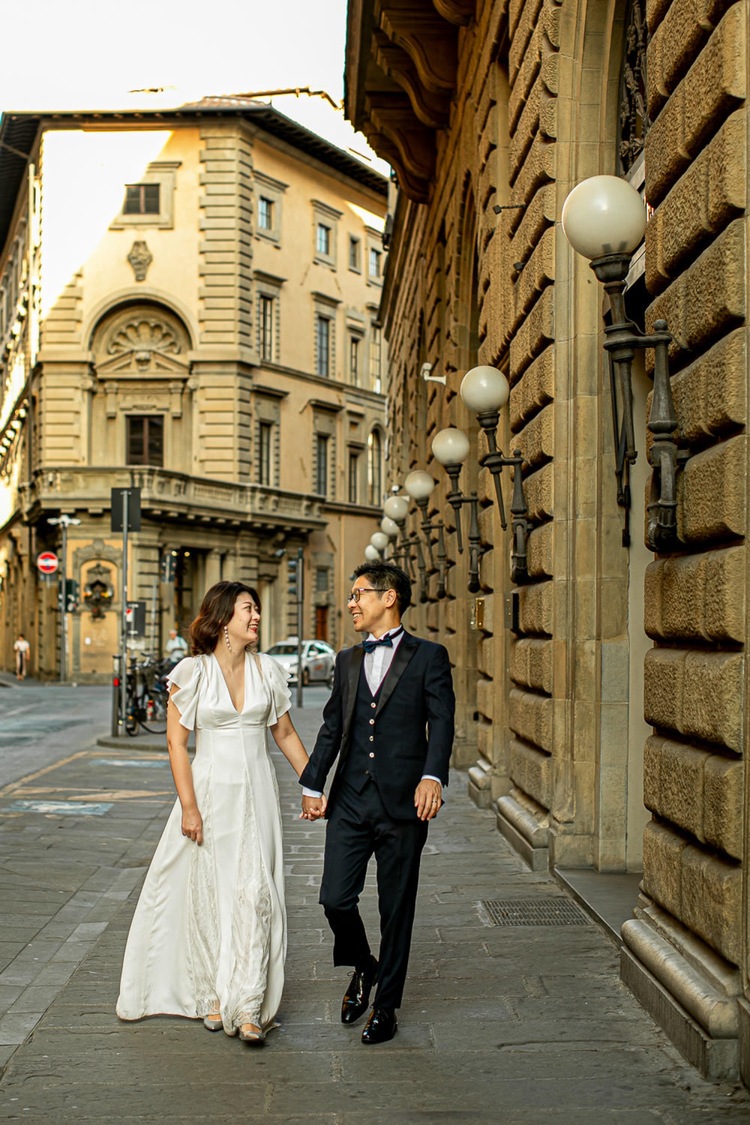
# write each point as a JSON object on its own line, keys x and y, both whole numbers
{"x": 250, "y": 1033}
{"x": 213, "y": 1022}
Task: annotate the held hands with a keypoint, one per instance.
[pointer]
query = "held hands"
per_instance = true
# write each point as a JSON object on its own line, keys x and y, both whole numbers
{"x": 313, "y": 808}
{"x": 428, "y": 798}
{"x": 192, "y": 825}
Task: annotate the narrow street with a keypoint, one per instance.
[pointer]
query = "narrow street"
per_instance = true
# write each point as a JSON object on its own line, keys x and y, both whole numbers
{"x": 519, "y": 1023}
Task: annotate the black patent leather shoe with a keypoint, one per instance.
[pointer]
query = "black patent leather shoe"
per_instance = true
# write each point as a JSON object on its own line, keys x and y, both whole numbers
{"x": 380, "y": 1027}
{"x": 357, "y": 996}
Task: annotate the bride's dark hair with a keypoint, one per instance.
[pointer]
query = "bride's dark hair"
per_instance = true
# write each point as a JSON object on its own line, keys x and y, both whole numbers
{"x": 217, "y": 609}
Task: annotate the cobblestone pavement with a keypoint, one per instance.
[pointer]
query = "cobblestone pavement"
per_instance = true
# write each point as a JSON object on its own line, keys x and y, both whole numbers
{"x": 510, "y": 1024}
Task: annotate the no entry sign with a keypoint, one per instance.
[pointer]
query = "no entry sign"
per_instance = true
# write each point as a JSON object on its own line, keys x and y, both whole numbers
{"x": 47, "y": 562}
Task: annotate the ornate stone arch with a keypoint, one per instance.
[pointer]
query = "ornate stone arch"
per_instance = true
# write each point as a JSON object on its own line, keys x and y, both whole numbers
{"x": 141, "y": 340}
{"x": 141, "y": 369}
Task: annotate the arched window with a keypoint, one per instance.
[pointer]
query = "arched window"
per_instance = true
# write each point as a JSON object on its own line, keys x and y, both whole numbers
{"x": 139, "y": 405}
{"x": 375, "y": 468}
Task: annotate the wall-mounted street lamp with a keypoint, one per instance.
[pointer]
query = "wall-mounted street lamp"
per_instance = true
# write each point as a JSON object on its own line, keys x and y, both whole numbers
{"x": 485, "y": 391}
{"x": 396, "y": 509}
{"x": 372, "y": 554}
{"x": 604, "y": 219}
{"x": 451, "y": 448}
{"x": 420, "y": 486}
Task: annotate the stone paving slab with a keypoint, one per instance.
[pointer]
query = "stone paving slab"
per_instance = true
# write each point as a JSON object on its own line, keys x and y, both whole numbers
{"x": 506, "y": 1025}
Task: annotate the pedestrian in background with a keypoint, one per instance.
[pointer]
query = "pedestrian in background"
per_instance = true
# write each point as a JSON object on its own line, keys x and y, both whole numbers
{"x": 389, "y": 722}
{"x": 176, "y": 647}
{"x": 22, "y": 649}
{"x": 208, "y": 939}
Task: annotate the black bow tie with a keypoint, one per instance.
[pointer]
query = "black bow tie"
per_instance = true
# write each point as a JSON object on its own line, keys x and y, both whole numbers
{"x": 370, "y": 646}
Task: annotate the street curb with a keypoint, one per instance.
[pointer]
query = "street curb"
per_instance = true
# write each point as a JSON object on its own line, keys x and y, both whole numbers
{"x": 122, "y": 742}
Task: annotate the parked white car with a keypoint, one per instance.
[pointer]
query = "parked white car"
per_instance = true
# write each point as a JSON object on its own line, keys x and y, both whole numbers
{"x": 317, "y": 660}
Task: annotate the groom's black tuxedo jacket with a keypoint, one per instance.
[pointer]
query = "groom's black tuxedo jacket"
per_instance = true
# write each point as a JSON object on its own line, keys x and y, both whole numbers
{"x": 413, "y": 731}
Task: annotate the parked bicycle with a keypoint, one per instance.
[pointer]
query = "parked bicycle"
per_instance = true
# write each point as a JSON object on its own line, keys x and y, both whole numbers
{"x": 147, "y": 695}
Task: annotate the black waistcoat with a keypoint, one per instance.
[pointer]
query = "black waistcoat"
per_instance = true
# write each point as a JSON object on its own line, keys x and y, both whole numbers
{"x": 361, "y": 760}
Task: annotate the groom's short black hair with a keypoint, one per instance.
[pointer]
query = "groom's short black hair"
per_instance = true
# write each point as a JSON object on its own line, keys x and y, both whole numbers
{"x": 387, "y": 576}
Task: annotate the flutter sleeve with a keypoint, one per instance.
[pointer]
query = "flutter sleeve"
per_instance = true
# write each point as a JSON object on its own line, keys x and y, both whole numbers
{"x": 281, "y": 697}
{"x": 186, "y": 676}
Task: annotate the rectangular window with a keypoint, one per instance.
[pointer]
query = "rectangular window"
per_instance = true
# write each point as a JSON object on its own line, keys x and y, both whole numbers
{"x": 266, "y": 311}
{"x": 321, "y": 464}
{"x": 375, "y": 358}
{"x": 355, "y": 254}
{"x": 322, "y": 346}
{"x": 265, "y": 451}
{"x": 144, "y": 439}
{"x": 375, "y": 468}
{"x": 374, "y": 264}
{"x": 354, "y": 343}
{"x": 354, "y": 478}
{"x": 321, "y": 580}
{"x": 141, "y": 199}
{"x": 323, "y": 239}
{"x": 265, "y": 213}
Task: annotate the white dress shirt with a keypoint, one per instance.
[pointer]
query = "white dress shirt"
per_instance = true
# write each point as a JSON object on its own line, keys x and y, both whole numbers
{"x": 377, "y": 664}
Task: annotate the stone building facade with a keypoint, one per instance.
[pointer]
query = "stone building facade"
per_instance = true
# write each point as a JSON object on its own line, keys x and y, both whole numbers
{"x": 601, "y": 702}
{"x": 188, "y": 306}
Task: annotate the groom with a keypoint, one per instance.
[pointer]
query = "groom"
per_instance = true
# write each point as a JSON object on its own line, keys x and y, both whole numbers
{"x": 390, "y": 723}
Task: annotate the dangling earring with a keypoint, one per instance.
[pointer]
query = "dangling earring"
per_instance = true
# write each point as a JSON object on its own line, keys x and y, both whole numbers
{"x": 226, "y": 638}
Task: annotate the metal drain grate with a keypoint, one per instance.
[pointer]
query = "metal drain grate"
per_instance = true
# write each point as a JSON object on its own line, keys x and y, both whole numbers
{"x": 532, "y": 912}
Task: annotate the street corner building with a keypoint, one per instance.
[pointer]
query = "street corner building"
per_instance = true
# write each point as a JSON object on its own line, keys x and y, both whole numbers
{"x": 598, "y": 640}
{"x": 189, "y": 307}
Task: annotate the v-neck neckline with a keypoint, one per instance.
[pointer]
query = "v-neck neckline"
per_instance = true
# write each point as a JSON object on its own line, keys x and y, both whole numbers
{"x": 237, "y": 711}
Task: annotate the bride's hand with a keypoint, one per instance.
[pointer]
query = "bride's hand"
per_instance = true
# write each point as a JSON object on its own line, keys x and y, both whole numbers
{"x": 192, "y": 825}
{"x": 313, "y": 808}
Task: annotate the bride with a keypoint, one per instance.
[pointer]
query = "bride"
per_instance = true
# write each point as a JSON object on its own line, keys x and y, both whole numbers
{"x": 208, "y": 938}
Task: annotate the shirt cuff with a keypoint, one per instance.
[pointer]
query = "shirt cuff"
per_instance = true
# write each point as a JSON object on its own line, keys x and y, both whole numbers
{"x": 310, "y": 792}
{"x": 431, "y": 777}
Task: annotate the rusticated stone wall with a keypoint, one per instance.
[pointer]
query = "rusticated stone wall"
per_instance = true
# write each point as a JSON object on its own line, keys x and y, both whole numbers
{"x": 695, "y": 849}
{"x": 544, "y": 711}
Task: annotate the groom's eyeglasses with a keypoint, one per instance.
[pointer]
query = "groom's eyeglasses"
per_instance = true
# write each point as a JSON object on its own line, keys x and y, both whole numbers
{"x": 357, "y": 593}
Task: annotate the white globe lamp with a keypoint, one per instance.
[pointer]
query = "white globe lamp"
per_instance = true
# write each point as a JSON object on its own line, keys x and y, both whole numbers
{"x": 450, "y": 446}
{"x": 396, "y": 508}
{"x": 420, "y": 485}
{"x": 603, "y": 215}
{"x": 379, "y": 540}
{"x": 484, "y": 390}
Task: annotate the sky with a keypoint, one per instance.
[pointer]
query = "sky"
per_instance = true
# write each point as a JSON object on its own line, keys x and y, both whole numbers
{"x": 90, "y": 54}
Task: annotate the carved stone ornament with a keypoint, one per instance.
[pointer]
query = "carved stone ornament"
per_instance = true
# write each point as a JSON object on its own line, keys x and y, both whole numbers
{"x": 141, "y": 337}
{"x": 140, "y": 258}
{"x": 634, "y": 118}
{"x": 141, "y": 340}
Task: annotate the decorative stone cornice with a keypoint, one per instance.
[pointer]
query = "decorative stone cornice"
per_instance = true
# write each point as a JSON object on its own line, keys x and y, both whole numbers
{"x": 400, "y": 78}
{"x": 399, "y": 137}
{"x": 459, "y": 12}
{"x": 432, "y": 109}
{"x": 431, "y": 45}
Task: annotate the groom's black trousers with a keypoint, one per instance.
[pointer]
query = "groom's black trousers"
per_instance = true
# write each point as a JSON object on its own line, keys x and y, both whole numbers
{"x": 359, "y": 827}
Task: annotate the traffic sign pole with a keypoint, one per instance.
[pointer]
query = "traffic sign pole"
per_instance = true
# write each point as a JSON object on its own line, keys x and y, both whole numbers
{"x": 126, "y": 506}
{"x": 124, "y": 646}
{"x": 64, "y": 522}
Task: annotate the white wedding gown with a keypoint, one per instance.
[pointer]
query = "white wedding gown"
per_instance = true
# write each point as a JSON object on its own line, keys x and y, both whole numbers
{"x": 210, "y": 924}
